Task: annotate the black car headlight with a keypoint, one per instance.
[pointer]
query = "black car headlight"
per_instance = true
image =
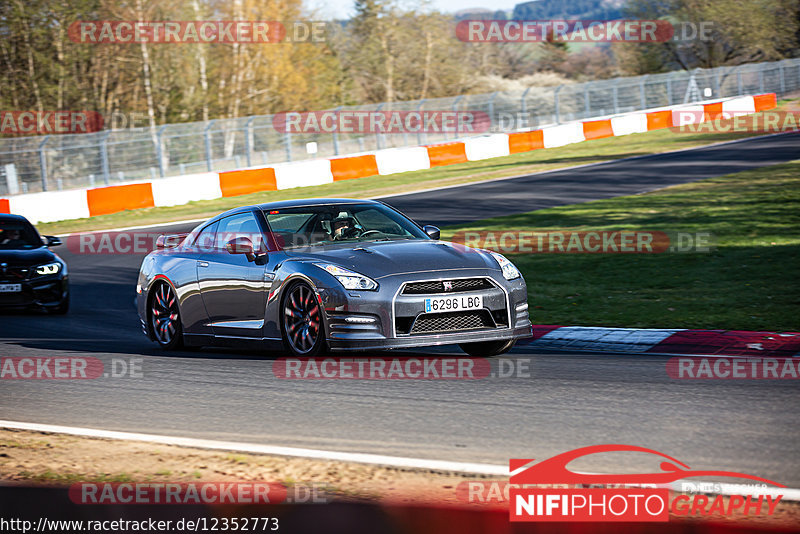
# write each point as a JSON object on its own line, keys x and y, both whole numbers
{"x": 49, "y": 268}
{"x": 510, "y": 272}
{"x": 349, "y": 279}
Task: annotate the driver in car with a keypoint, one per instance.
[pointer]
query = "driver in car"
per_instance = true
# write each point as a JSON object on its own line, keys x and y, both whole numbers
{"x": 343, "y": 228}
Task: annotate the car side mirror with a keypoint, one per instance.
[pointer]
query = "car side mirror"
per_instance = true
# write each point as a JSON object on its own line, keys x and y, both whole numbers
{"x": 52, "y": 241}
{"x": 241, "y": 245}
{"x": 432, "y": 231}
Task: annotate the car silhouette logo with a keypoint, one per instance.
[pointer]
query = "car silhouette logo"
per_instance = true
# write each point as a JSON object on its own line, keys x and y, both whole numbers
{"x": 554, "y": 470}
{"x": 448, "y": 286}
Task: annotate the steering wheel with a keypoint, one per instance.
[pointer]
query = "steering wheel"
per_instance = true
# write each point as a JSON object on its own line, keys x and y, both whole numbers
{"x": 368, "y": 232}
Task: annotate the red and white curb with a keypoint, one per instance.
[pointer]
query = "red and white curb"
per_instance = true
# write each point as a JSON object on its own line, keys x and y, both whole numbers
{"x": 665, "y": 341}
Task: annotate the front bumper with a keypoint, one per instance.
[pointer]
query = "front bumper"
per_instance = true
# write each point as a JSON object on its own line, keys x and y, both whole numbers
{"x": 430, "y": 340}
{"x": 43, "y": 292}
{"x": 385, "y": 319}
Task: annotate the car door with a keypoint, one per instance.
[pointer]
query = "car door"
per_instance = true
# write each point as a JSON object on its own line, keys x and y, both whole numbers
{"x": 232, "y": 286}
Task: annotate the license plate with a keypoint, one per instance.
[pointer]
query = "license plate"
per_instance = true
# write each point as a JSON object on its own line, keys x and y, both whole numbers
{"x": 10, "y": 288}
{"x": 446, "y": 304}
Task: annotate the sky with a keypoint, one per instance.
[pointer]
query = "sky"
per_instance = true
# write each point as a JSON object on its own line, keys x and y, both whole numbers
{"x": 344, "y": 8}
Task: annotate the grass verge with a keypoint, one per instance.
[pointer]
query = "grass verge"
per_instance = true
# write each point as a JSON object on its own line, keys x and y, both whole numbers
{"x": 748, "y": 281}
{"x": 611, "y": 148}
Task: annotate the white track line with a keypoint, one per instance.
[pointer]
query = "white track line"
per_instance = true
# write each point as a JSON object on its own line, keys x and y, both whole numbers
{"x": 373, "y": 459}
{"x": 362, "y": 458}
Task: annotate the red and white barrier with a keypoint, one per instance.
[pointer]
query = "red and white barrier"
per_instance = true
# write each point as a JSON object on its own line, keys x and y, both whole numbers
{"x": 173, "y": 191}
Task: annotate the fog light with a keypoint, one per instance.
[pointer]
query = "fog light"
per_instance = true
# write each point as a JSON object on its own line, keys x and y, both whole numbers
{"x": 359, "y": 320}
{"x": 522, "y": 307}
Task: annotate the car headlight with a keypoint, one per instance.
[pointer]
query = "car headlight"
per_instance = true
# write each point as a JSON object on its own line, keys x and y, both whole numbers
{"x": 510, "y": 272}
{"x": 350, "y": 279}
{"x": 50, "y": 268}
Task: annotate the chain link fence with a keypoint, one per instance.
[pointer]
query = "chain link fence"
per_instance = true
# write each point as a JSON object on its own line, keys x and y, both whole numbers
{"x": 56, "y": 162}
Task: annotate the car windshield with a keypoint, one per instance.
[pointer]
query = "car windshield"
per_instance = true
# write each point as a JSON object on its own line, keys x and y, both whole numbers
{"x": 339, "y": 223}
{"x": 18, "y": 235}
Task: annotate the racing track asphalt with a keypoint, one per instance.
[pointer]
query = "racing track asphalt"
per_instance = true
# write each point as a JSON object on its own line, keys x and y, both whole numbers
{"x": 570, "y": 399}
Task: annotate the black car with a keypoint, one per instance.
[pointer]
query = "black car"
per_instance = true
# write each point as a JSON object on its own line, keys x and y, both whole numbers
{"x": 31, "y": 275}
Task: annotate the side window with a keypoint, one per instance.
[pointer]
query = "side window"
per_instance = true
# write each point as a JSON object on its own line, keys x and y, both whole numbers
{"x": 205, "y": 239}
{"x": 239, "y": 225}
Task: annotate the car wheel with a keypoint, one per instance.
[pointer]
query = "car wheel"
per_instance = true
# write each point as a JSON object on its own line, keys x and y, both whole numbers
{"x": 165, "y": 318}
{"x": 62, "y": 308}
{"x": 303, "y": 331}
{"x": 487, "y": 348}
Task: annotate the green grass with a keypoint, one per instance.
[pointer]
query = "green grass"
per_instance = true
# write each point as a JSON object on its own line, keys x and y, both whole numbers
{"x": 535, "y": 161}
{"x": 749, "y": 281}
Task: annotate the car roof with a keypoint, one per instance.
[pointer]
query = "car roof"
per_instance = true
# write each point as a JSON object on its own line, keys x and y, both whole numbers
{"x": 12, "y": 217}
{"x": 294, "y": 203}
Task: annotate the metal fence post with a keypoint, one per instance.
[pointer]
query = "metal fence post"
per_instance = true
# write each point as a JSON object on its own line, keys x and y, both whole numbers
{"x": 524, "y": 104}
{"x": 643, "y": 97}
{"x": 43, "y": 162}
{"x": 336, "y": 134}
{"x": 207, "y": 135}
{"x": 160, "y": 151}
{"x": 555, "y": 104}
{"x": 421, "y": 131}
{"x": 248, "y": 139}
{"x": 287, "y": 139}
{"x": 783, "y": 80}
{"x": 378, "y": 135}
{"x": 669, "y": 89}
{"x": 587, "y": 102}
{"x": 104, "y": 156}
{"x": 455, "y": 108}
{"x": 491, "y": 108}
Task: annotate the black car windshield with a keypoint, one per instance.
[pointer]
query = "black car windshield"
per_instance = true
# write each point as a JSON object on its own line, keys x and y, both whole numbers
{"x": 339, "y": 223}
{"x": 18, "y": 235}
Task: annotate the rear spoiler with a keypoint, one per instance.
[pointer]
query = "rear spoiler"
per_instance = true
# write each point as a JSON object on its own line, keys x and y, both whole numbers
{"x": 170, "y": 240}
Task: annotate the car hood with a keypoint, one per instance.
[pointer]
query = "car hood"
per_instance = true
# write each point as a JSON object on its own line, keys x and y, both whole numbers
{"x": 32, "y": 256}
{"x": 378, "y": 259}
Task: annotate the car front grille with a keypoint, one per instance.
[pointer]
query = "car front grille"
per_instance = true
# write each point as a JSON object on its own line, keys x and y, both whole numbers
{"x": 438, "y": 286}
{"x": 432, "y": 323}
{"x": 14, "y": 274}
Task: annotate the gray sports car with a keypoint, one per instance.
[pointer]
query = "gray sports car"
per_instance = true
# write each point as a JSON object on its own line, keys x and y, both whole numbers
{"x": 328, "y": 274}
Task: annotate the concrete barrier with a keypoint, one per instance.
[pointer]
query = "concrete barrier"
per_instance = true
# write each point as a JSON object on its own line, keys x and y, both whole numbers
{"x": 487, "y": 146}
{"x": 397, "y": 160}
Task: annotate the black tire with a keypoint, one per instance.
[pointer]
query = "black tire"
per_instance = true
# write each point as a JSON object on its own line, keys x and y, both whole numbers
{"x": 62, "y": 308}
{"x": 165, "y": 317}
{"x": 301, "y": 321}
{"x": 487, "y": 348}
